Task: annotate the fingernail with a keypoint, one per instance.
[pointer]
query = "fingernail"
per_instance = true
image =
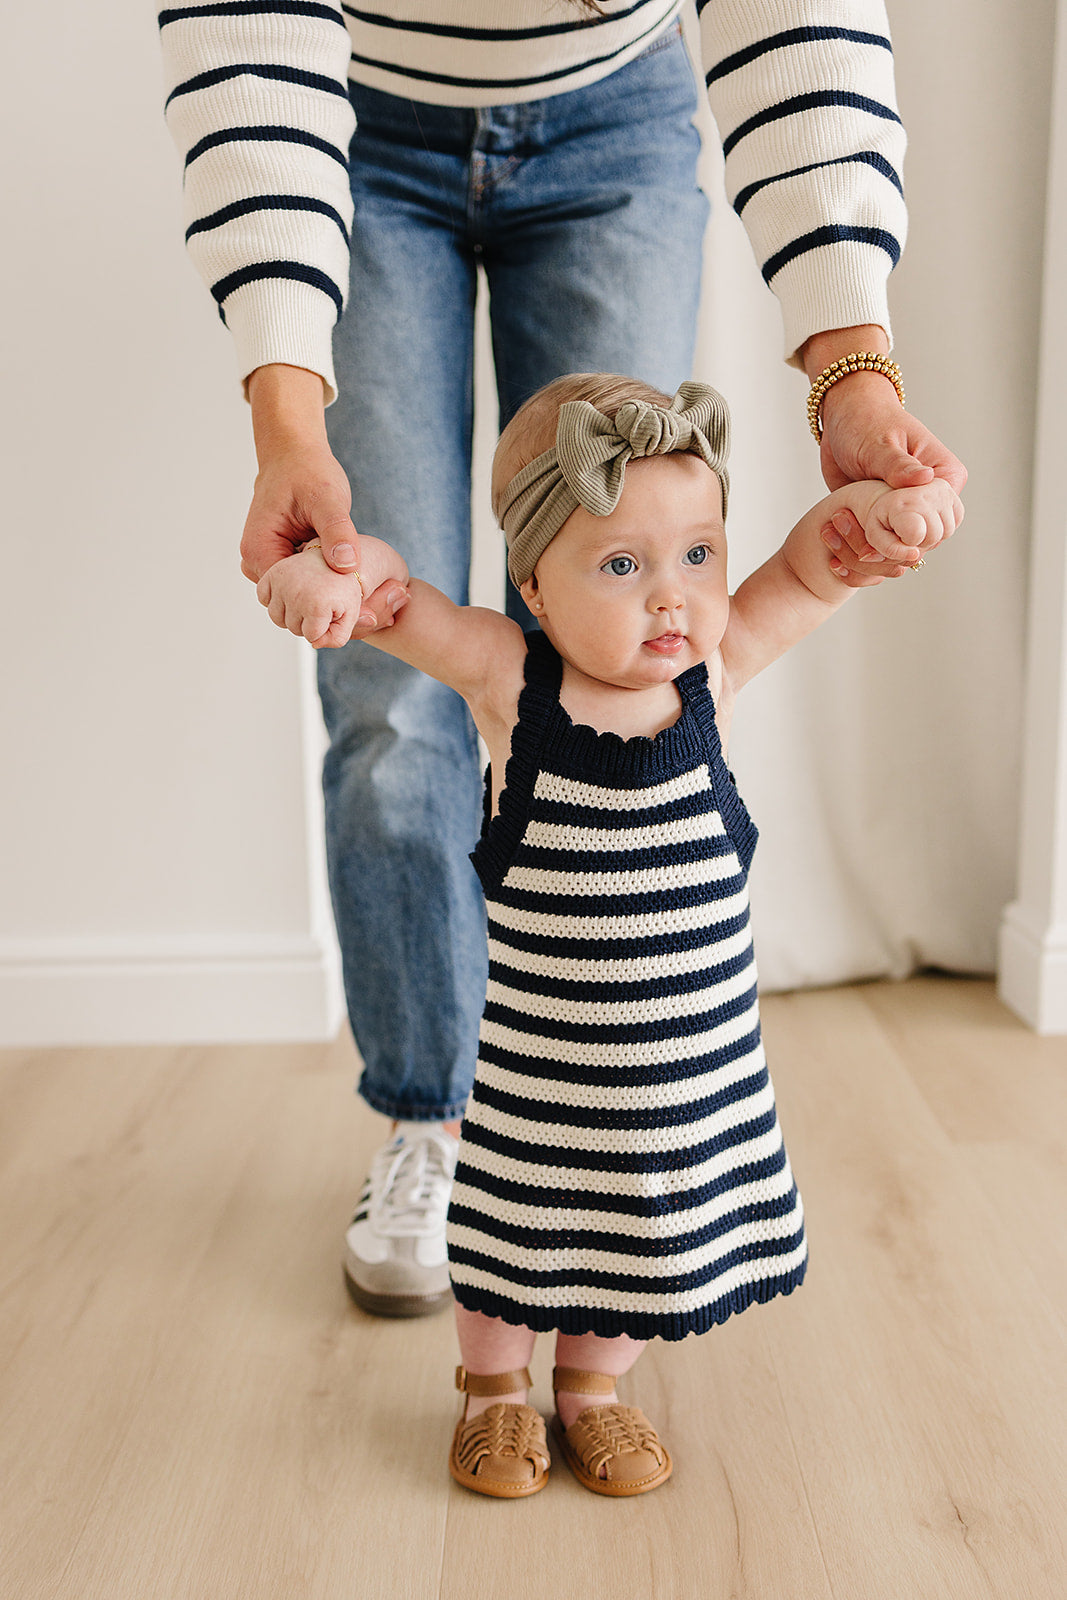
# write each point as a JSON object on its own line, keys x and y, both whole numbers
{"x": 838, "y": 570}
{"x": 841, "y": 522}
{"x": 831, "y": 540}
{"x": 872, "y": 555}
{"x": 343, "y": 552}
{"x": 397, "y": 597}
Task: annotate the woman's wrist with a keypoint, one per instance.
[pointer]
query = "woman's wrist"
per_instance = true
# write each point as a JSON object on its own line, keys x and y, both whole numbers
{"x": 288, "y": 409}
{"x": 822, "y": 349}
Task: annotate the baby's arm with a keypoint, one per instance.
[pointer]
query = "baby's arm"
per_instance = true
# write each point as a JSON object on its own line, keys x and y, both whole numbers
{"x": 477, "y": 652}
{"x": 306, "y": 596}
{"x": 793, "y": 592}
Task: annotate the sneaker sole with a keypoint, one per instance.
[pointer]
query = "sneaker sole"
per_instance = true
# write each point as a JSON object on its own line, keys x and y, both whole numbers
{"x": 397, "y": 1305}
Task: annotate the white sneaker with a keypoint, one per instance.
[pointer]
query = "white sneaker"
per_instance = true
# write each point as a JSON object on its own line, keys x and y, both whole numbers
{"x": 395, "y": 1260}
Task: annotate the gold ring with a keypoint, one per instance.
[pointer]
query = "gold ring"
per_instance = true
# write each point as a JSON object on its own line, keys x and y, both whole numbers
{"x": 918, "y": 564}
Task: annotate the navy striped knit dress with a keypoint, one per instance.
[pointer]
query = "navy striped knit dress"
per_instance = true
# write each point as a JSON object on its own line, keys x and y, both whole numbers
{"x": 621, "y": 1167}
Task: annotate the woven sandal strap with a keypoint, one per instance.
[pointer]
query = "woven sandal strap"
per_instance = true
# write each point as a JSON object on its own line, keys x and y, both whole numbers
{"x": 483, "y": 1383}
{"x": 575, "y": 1381}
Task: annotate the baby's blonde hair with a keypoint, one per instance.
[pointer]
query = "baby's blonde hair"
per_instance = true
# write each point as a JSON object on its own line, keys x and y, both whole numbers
{"x": 532, "y": 430}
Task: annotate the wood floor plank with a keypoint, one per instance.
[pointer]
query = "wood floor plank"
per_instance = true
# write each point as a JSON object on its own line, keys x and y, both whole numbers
{"x": 190, "y": 1406}
{"x": 929, "y": 1450}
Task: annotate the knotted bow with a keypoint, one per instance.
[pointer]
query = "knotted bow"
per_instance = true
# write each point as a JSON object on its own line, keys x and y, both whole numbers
{"x": 587, "y": 466}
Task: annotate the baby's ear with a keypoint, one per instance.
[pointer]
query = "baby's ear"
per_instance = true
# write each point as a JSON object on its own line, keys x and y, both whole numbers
{"x": 532, "y": 594}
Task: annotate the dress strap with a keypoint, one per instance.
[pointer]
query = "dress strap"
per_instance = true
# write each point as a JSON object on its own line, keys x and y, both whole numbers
{"x": 538, "y": 699}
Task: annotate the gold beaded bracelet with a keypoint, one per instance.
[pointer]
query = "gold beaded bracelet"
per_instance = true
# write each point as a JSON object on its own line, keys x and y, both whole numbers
{"x": 859, "y": 361}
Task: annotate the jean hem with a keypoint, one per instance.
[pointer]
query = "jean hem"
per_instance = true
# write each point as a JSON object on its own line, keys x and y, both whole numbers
{"x": 444, "y": 1112}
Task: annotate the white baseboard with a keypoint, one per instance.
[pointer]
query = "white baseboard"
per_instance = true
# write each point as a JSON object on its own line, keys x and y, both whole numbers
{"x": 101, "y": 992}
{"x": 1032, "y": 976}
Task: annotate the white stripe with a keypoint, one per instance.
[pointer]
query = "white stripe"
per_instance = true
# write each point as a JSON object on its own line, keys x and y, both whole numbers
{"x": 620, "y": 1263}
{"x": 645, "y": 880}
{"x": 605, "y": 1096}
{"x": 626, "y": 1300}
{"x": 568, "y": 791}
{"x": 639, "y": 925}
{"x": 624, "y": 1013}
{"x": 675, "y": 1181}
{"x": 637, "y": 969}
{"x": 637, "y": 1141}
{"x": 682, "y": 830}
{"x": 535, "y": 1213}
{"x": 653, "y": 1053}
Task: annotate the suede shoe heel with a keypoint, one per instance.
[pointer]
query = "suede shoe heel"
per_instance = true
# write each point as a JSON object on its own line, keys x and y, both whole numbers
{"x": 502, "y": 1452}
{"x": 620, "y": 1439}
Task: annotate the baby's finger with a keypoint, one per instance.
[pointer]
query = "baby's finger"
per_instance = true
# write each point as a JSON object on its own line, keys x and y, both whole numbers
{"x": 263, "y": 589}
{"x": 316, "y": 623}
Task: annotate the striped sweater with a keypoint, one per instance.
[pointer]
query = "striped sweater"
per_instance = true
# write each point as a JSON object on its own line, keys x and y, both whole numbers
{"x": 801, "y": 90}
{"x": 621, "y": 1167}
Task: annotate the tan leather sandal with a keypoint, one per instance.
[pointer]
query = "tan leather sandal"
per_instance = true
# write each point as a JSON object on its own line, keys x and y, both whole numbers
{"x": 503, "y": 1451}
{"x": 618, "y": 1439}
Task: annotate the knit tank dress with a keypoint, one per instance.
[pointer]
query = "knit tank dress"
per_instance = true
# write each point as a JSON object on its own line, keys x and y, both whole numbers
{"x": 621, "y": 1168}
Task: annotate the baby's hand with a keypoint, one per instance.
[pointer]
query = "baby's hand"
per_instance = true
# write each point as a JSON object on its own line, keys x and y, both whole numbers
{"x": 304, "y": 595}
{"x": 895, "y": 533}
{"x": 910, "y": 522}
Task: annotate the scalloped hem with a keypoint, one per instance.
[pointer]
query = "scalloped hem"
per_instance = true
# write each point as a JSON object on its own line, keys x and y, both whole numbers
{"x": 609, "y": 1324}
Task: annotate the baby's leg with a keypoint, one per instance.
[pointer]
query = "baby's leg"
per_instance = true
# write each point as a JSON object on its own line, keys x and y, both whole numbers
{"x": 489, "y": 1345}
{"x": 588, "y": 1353}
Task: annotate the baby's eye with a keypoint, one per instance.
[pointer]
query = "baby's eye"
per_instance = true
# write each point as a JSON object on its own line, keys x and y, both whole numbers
{"x": 698, "y": 555}
{"x": 620, "y": 566}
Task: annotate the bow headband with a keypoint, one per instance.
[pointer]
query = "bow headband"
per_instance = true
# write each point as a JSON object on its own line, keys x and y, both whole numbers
{"x": 587, "y": 465}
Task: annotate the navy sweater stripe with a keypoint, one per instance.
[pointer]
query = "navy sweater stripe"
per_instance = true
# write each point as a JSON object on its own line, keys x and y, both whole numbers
{"x": 833, "y": 235}
{"x": 250, "y": 8}
{"x": 556, "y": 1114}
{"x": 296, "y": 271}
{"x": 785, "y": 41}
{"x": 867, "y": 158}
{"x": 258, "y": 69}
{"x": 815, "y": 100}
{"x": 266, "y": 202}
{"x": 616, "y": 1074}
{"x": 443, "y": 30}
{"x": 265, "y": 133}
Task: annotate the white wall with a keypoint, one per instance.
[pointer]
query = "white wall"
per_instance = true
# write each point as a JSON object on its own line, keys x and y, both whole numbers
{"x": 157, "y": 876}
{"x": 159, "y": 864}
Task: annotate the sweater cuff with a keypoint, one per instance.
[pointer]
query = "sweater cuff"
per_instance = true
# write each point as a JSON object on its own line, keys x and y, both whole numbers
{"x": 285, "y": 321}
{"x": 835, "y": 286}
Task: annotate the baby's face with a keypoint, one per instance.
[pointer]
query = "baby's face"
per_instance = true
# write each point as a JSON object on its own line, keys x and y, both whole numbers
{"x": 634, "y": 598}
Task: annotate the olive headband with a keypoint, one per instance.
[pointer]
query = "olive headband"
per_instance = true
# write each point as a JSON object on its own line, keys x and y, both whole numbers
{"x": 587, "y": 465}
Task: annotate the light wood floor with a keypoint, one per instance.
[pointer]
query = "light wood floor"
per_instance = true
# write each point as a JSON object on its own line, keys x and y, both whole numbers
{"x": 192, "y": 1408}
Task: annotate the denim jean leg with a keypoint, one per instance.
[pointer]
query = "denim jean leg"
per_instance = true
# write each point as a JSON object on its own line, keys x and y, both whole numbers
{"x": 401, "y": 777}
{"x": 595, "y": 233}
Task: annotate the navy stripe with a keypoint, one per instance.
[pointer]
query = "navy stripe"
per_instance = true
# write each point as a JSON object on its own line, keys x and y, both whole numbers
{"x": 266, "y": 202}
{"x": 623, "y": 1205}
{"x": 501, "y": 83}
{"x": 608, "y": 950}
{"x": 808, "y": 102}
{"x": 266, "y": 134}
{"x": 636, "y": 989}
{"x": 676, "y": 1283}
{"x": 252, "y": 8}
{"x": 869, "y": 158}
{"x": 545, "y": 858}
{"x": 616, "y": 1074}
{"x": 608, "y": 1324}
{"x": 504, "y": 35}
{"x": 297, "y": 271}
{"x": 632, "y": 1119}
{"x": 835, "y": 233}
{"x": 569, "y": 1238}
{"x": 688, "y": 897}
{"x": 783, "y": 41}
{"x": 620, "y": 1035}
{"x": 258, "y": 69}
{"x": 620, "y": 1161}
{"x": 571, "y": 814}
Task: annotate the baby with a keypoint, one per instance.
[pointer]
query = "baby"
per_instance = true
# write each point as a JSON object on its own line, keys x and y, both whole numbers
{"x": 621, "y": 1172}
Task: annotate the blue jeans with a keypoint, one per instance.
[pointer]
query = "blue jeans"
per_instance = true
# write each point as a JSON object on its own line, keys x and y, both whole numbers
{"x": 583, "y": 211}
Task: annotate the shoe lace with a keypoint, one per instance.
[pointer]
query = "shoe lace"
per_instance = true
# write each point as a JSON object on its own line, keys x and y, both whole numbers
{"x": 410, "y": 1184}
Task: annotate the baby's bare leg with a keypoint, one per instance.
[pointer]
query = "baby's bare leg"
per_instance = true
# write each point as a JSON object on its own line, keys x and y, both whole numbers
{"x": 489, "y": 1345}
{"x": 588, "y": 1353}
